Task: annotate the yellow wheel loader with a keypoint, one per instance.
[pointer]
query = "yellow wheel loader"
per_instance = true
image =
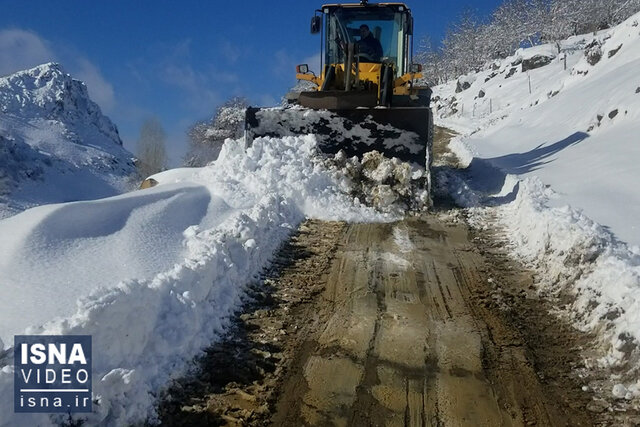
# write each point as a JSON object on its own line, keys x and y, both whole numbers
{"x": 366, "y": 97}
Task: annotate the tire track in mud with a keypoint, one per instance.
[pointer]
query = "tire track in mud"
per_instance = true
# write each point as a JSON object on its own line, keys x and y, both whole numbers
{"x": 415, "y": 339}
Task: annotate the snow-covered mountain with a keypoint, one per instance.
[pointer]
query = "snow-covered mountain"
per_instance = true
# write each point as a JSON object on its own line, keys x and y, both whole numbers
{"x": 551, "y": 136}
{"x": 55, "y": 143}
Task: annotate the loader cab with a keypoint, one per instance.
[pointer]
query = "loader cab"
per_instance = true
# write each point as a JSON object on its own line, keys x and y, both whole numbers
{"x": 389, "y": 23}
{"x": 349, "y": 78}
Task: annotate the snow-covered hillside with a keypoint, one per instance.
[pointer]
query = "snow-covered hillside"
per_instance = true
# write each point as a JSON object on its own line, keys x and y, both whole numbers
{"x": 578, "y": 129}
{"x": 555, "y": 151}
{"x": 55, "y": 144}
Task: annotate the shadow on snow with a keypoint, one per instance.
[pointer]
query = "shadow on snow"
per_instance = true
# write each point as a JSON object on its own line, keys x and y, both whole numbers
{"x": 486, "y": 177}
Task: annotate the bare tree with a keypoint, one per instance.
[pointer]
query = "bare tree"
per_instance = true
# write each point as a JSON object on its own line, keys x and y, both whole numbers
{"x": 433, "y": 68}
{"x": 206, "y": 138}
{"x": 152, "y": 154}
{"x": 471, "y": 44}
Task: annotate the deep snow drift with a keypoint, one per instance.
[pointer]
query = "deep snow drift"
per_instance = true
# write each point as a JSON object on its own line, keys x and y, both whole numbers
{"x": 559, "y": 164}
{"x": 55, "y": 144}
{"x": 154, "y": 275}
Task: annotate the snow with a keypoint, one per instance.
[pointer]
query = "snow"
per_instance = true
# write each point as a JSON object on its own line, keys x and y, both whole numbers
{"x": 402, "y": 240}
{"x": 57, "y": 244}
{"x": 55, "y": 144}
{"x": 554, "y": 132}
{"x": 548, "y": 50}
{"x": 155, "y": 274}
{"x": 557, "y": 164}
{"x": 290, "y": 121}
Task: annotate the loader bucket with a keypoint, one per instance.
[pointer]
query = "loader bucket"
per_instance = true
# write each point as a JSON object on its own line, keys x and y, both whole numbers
{"x": 403, "y": 132}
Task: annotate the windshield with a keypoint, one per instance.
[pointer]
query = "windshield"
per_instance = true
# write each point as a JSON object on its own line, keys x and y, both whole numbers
{"x": 383, "y": 24}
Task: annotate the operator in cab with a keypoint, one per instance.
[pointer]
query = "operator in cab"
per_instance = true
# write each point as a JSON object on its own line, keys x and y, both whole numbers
{"x": 370, "y": 47}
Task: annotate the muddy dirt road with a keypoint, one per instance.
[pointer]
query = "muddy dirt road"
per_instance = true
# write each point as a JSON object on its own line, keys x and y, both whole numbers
{"x": 414, "y": 323}
{"x": 408, "y": 344}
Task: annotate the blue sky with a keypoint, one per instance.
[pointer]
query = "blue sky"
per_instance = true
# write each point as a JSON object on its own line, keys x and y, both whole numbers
{"x": 178, "y": 60}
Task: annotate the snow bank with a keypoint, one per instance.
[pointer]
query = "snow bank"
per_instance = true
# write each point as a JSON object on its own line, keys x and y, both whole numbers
{"x": 574, "y": 256}
{"x": 554, "y": 153}
{"x": 580, "y": 256}
{"x": 144, "y": 331}
{"x": 206, "y": 234}
{"x": 292, "y": 167}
